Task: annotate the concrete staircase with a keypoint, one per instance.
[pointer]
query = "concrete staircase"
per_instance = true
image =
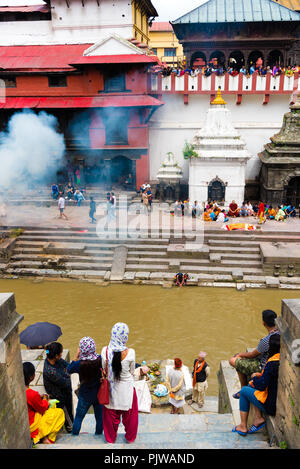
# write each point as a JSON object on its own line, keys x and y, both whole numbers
{"x": 42, "y": 196}
{"x": 206, "y": 430}
{"x": 229, "y": 257}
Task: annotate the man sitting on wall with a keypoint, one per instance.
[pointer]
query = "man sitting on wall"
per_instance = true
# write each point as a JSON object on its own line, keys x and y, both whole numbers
{"x": 247, "y": 363}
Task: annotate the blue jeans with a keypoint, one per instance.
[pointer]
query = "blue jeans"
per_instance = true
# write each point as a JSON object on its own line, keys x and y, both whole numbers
{"x": 81, "y": 411}
{"x": 246, "y": 397}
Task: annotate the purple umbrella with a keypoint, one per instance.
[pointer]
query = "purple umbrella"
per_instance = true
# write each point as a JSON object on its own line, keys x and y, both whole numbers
{"x": 40, "y": 334}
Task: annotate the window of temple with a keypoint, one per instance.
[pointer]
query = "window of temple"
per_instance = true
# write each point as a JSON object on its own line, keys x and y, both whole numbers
{"x": 256, "y": 58}
{"x": 275, "y": 57}
{"x": 57, "y": 81}
{"x": 217, "y": 58}
{"x": 236, "y": 60}
{"x": 116, "y": 126}
{"x": 9, "y": 81}
{"x": 198, "y": 59}
{"x": 114, "y": 81}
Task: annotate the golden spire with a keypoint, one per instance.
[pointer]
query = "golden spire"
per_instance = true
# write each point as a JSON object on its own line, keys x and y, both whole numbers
{"x": 219, "y": 99}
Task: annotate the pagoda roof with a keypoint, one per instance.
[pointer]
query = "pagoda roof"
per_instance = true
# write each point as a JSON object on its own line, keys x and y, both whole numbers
{"x": 238, "y": 11}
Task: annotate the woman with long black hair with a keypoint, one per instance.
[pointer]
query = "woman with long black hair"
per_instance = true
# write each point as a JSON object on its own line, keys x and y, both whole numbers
{"x": 120, "y": 362}
{"x": 57, "y": 381}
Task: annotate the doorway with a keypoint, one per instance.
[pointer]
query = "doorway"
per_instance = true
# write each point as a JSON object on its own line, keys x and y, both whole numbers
{"x": 293, "y": 192}
{"x": 121, "y": 169}
{"x": 216, "y": 190}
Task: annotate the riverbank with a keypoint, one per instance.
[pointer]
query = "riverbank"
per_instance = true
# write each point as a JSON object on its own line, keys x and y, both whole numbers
{"x": 162, "y": 322}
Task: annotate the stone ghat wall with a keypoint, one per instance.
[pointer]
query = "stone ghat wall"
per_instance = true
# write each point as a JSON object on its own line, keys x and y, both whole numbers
{"x": 14, "y": 428}
{"x": 287, "y": 420}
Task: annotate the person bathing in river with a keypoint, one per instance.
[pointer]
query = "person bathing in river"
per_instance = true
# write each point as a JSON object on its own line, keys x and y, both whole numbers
{"x": 180, "y": 279}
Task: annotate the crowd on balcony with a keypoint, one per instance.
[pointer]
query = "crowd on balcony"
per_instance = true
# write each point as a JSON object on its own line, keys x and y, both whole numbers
{"x": 213, "y": 67}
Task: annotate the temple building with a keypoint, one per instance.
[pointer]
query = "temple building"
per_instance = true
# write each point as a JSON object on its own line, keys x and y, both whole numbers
{"x": 240, "y": 33}
{"x": 280, "y": 172}
{"x": 97, "y": 90}
{"x": 217, "y": 169}
{"x": 90, "y": 64}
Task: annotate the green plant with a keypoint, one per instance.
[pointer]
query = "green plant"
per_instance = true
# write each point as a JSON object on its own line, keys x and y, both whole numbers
{"x": 16, "y": 232}
{"x": 295, "y": 421}
{"x": 292, "y": 401}
{"x": 189, "y": 151}
{"x": 283, "y": 445}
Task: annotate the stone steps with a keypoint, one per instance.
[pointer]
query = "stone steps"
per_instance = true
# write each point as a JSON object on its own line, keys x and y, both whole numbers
{"x": 234, "y": 249}
{"x": 32, "y": 252}
{"x": 165, "y": 431}
{"x": 93, "y": 245}
{"x": 66, "y": 260}
{"x": 34, "y": 264}
{"x": 191, "y": 269}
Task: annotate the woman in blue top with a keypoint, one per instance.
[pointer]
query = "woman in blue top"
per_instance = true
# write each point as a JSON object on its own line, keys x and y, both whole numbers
{"x": 87, "y": 363}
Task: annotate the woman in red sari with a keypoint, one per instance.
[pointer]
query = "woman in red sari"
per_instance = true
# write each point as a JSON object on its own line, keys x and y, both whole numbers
{"x": 233, "y": 209}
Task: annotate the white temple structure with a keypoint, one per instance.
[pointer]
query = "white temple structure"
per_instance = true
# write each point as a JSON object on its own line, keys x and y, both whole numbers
{"x": 219, "y": 171}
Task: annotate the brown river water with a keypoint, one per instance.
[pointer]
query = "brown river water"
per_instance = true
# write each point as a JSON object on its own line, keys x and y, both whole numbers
{"x": 163, "y": 323}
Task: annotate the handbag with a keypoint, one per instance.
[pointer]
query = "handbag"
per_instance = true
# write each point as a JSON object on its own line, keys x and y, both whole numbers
{"x": 103, "y": 393}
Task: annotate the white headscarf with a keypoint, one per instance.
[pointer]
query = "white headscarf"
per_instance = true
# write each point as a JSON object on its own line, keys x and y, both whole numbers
{"x": 118, "y": 340}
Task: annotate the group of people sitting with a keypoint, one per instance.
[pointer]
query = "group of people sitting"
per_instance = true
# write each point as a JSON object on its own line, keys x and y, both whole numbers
{"x": 213, "y": 212}
{"x": 68, "y": 192}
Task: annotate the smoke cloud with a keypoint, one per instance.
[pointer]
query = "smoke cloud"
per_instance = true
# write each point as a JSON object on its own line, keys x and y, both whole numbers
{"x": 31, "y": 150}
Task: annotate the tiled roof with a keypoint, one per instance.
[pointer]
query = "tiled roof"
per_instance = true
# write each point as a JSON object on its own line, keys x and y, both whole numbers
{"x": 238, "y": 11}
{"x": 161, "y": 26}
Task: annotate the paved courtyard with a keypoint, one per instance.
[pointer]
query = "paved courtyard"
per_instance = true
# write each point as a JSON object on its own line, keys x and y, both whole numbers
{"x": 78, "y": 217}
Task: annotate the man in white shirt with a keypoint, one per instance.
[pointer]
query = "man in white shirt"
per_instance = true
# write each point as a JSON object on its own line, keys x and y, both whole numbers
{"x": 61, "y": 206}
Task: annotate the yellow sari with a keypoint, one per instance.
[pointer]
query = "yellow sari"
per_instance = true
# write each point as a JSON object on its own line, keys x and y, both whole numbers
{"x": 48, "y": 424}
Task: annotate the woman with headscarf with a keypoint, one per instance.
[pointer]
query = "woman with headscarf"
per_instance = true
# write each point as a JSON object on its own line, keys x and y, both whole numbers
{"x": 87, "y": 363}
{"x": 176, "y": 386}
{"x": 120, "y": 362}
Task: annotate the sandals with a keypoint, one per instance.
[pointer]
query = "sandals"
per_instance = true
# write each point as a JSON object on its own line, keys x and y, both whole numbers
{"x": 236, "y": 395}
{"x": 254, "y": 428}
{"x": 234, "y": 430}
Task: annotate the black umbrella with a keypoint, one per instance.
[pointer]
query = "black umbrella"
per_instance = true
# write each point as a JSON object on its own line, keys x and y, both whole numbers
{"x": 40, "y": 334}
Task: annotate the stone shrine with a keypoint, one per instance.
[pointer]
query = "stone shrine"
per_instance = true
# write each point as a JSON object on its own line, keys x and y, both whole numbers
{"x": 280, "y": 172}
{"x": 218, "y": 172}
